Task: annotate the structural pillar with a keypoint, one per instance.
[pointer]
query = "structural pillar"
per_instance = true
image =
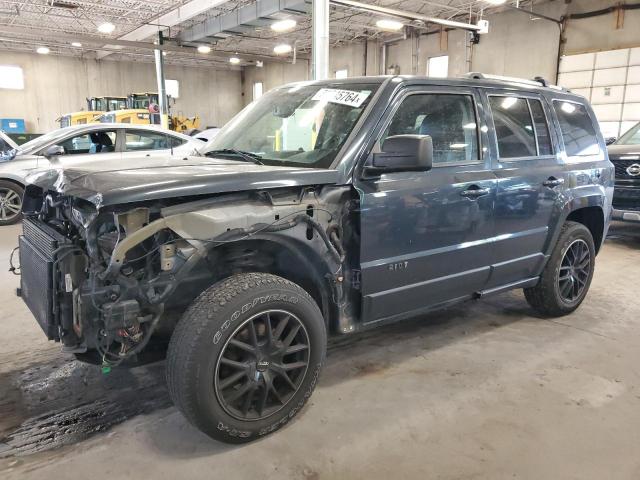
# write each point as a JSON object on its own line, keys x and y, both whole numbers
{"x": 320, "y": 47}
{"x": 162, "y": 90}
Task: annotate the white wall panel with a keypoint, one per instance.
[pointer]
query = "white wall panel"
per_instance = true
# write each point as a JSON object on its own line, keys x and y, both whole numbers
{"x": 575, "y": 79}
{"x": 609, "y": 129}
{"x": 634, "y": 75}
{"x": 631, "y": 112}
{"x": 632, "y": 94}
{"x": 601, "y": 95}
{"x": 612, "y": 58}
{"x": 609, "y": 76}
{"x": 634, "y": 56}
{"x": 608, "y": 113}
{"x": 585, "y": 92}
{"x": 576, "y": 63}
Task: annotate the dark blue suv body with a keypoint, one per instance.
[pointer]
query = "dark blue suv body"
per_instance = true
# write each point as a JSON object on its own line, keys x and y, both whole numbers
{"x": 323, "y": 207}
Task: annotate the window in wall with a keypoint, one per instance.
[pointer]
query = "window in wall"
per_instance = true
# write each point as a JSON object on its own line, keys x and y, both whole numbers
{"x": 438, "y": 66}
{"x": 448, "y": 118}
{"x": 344, "y": 73}
{"x": 542, "y": 128}
{"x": 514, "y": 127}
{"x": 11, "y": 77}
{"x": 173, "y": 88}
{"x": 578, "y": 132}
{"x": 257, "y": 90}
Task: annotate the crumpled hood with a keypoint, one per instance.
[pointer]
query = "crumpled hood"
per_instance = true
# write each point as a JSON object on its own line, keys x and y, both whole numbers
{"x": 156, "y": 178}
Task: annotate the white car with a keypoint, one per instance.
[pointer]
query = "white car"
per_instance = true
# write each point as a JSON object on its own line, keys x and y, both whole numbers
{"x": 208, "y": 134}
{"x": 102, "y": 143}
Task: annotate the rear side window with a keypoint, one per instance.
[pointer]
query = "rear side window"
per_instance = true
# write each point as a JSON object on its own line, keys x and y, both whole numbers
{"x": 521, "y": 127}
{"x": 578, "y": 131}
{"x": 137, "y": 140}
{"x": 448, "y": 118}
{"x": 514, "y": 127}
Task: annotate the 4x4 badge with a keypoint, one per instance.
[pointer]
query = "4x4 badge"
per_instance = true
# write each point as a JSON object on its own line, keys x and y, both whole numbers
{"x": 633, "y": 170}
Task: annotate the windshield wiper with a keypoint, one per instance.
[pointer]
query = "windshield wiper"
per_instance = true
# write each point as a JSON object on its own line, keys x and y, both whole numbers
{"x": 246, "y": 156}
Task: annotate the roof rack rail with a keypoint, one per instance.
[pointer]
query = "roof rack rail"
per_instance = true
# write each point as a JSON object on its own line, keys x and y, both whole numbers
{"x": 537, "y": 81}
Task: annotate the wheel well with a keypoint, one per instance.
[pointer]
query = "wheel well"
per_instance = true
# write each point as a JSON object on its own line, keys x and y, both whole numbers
{"x": 11, "y": 180}
{"x": 593, "y": 219}
{"x": 282, "y": 257}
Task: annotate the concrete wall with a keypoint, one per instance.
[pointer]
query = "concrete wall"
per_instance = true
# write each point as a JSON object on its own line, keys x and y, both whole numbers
{"x": 55, "y": 85}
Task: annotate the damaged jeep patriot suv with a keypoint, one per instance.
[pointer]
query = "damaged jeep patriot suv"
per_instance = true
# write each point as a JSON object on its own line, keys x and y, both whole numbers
{"x": 322, "y": 208}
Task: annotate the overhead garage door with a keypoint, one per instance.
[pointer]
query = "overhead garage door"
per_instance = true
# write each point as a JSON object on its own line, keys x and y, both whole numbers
{"x": 611, "y": 81}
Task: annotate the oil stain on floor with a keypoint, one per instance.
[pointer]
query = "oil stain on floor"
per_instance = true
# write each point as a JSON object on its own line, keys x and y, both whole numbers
{"x": 59, "y": 403}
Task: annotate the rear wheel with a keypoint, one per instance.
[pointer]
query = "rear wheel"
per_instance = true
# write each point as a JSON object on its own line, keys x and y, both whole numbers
{"x": 566, "y": 278}
{"x": 246, "y": 356}
{"x": 10, "y": 202}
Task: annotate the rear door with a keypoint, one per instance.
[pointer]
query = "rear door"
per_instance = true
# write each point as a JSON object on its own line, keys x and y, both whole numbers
{"x": 424, "y": 235}
{"x": 147, "y": 143}
{"x": 531, "y": 181}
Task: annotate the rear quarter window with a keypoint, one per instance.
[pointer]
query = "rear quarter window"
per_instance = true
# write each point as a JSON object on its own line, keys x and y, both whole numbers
{"x": 578, "y": 131}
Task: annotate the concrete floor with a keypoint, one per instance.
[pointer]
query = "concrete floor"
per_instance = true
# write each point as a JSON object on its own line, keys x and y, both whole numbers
{"x": 484, "y": 390}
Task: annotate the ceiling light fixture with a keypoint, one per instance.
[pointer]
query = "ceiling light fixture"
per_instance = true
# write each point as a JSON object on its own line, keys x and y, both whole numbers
{"x": 106, "y": 27}
{"x": 234, "y": 60}
{"x": 76, "y": 44}
{"x": 204, "y": 48}
{"x": 496, "y": 2}
{"x": 282, "y": 49}
{"x": 43, "y": 50}
{"x": 386, "y": 24}
{"x": 283, "y": 25}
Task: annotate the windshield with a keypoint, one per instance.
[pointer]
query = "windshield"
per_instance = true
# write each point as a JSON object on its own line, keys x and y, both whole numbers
{"x": 301, "y": 125}
{"x": 632, "y": 137}
{"x": 39, "y": 142}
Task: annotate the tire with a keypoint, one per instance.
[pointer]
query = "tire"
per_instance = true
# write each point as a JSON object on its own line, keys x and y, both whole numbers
{"x": 209, "y": 361}
{"x": 10, "y": 202}
{"x": 550, "y": 296}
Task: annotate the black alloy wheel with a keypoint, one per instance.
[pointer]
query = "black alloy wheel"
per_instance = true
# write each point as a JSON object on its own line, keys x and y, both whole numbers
{"x": 574, "y": 271}
{"x": 262, "y": 365}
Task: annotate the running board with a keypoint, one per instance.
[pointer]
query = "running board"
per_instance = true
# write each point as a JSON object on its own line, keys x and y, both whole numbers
{"x": 529, "y": 282}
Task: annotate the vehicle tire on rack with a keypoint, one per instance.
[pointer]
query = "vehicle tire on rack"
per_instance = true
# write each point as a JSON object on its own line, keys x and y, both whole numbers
{"x": 10, "y": 202}
{"x": 567, "y": 276}
{"x": 246, "y": 356}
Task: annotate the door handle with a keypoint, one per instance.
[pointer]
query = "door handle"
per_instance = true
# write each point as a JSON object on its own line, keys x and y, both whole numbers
{"x": 474, "y": 192}
{"x": 552, "y": 182}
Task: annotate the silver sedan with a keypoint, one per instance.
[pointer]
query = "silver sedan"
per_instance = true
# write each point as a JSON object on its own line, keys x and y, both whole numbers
{"x": 104, "y": 143}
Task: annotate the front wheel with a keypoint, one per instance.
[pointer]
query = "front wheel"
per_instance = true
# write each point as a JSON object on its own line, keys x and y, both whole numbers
{"x": 246, "y": 356}
{"x": 565, "y": 281}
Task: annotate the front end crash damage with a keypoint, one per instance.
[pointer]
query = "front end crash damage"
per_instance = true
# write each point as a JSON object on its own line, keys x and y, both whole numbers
{"x": 142, "y": 265}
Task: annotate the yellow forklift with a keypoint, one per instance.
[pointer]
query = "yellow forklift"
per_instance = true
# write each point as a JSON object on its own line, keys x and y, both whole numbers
{"x": 149, "y": 102}
{"x": 96, "y": 106}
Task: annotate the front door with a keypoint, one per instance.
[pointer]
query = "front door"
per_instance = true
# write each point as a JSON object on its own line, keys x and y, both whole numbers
{"x": 97, "y": 145}
{"x": 530, "y": 182}
{"x": 424, "y": 235}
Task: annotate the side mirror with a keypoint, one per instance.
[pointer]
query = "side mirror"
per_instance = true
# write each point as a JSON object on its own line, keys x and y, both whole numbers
{"x": 54, "y": 151}
{"x": 403, "y": 153}
{"x": 610, "y": 140}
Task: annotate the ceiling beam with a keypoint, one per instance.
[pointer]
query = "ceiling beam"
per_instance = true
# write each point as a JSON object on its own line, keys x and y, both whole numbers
{"x": 404, "y": 14}
{"x": 243, "y": 15}
{"x": 171, "y": 18}
{"x": 18, "y": 33}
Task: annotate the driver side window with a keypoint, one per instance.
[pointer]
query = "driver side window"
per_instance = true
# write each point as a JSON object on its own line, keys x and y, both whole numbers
{"x": 103, "y": 141}
{"x": 448, "y": 118}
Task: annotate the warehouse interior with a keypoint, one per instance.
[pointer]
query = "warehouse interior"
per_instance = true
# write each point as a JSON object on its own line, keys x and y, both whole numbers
{"x": 486, "y": 388}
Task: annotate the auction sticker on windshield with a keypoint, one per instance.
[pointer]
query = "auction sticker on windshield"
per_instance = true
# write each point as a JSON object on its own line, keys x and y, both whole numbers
{"x": 343, "y": 97}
